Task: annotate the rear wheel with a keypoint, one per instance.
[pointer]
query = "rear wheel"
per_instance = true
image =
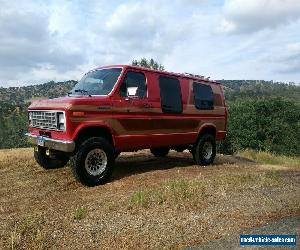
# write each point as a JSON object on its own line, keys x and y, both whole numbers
{"x": 51, "y": 160}
{"x": 93, "y": 163}
{"x": 159, "y": 152}
{"x": 204, "y": 151}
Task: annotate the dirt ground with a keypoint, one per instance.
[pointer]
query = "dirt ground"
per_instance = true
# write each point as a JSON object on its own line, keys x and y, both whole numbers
{"x": 150, "y": 203}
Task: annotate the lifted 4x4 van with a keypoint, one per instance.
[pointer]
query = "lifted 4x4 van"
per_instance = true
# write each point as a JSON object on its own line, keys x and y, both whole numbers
{"x": 126, "y": 108}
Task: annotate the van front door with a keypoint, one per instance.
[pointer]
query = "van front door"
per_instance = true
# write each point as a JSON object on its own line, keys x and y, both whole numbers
{"x": 132, "y": 112}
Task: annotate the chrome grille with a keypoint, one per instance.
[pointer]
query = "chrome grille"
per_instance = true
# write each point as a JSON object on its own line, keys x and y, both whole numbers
{"x": 44, "y": 119}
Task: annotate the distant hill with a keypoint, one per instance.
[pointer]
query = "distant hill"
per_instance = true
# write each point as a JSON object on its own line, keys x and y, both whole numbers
{"x": 23, "y": 95}
{"x": 235, "y": 89}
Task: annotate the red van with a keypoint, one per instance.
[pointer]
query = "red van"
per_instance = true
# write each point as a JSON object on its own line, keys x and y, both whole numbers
{"x": 121, "y": 108}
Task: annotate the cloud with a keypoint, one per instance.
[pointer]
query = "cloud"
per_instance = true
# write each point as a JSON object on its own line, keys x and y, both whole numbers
{"x": 27, "y": 43}
{"x": 289, "y": 63}
{"x": 142, "y": 28}
{"x": 246, "y": 16}
{"x": 60, "y": 40}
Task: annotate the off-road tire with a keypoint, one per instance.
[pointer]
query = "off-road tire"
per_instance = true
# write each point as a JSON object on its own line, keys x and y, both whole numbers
{"x": 48, "y": 162}
{"x": 200, "y": 154}
{"x": 159, "y": 152}
{"x": 78, "y": 161}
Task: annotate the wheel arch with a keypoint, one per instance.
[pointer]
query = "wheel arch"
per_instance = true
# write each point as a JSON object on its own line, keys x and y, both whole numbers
{"x": 207, "y": 129}
{"x": 92, "y": 130}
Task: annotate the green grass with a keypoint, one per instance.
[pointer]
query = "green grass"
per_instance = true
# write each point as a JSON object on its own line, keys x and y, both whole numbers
{"x": 80, "y": 213}
{"x": 139, "y": 199}
{"x": 269, "y": 158}
{"x": 179, "y": 188}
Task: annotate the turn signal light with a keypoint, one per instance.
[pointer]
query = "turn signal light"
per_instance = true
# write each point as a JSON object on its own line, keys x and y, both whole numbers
{"x": 77, "y": 113}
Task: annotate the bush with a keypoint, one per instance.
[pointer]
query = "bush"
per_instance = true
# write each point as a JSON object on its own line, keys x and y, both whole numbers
{"x": 266, "y": 124}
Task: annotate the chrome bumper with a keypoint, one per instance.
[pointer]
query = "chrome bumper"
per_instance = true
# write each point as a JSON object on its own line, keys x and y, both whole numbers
{"x": 60, "y": 145}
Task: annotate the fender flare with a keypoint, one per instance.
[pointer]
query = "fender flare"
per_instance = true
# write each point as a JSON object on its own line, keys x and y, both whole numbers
{"x": 85, "y": 125}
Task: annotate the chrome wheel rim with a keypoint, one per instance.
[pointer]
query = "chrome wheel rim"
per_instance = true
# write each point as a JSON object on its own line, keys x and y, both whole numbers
{"x": 207, "y": 150}
{"x": 95, "y": 162}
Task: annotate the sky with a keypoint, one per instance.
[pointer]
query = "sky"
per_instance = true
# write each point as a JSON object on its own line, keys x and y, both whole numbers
{"x": 45, "y": 40}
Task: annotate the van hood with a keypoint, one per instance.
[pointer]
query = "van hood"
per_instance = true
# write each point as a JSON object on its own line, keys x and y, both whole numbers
{"x": 64, "y": 103}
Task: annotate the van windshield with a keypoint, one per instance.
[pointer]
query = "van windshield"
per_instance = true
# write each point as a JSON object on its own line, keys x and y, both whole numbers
{"x": 97, "y": 82}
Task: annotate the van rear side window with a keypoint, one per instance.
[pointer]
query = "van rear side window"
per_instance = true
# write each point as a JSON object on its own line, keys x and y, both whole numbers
{"x": 170, "y": 95}
{"x": 203, "y": 96}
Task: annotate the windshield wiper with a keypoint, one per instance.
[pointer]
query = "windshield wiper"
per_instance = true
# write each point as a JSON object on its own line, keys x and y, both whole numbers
{"x": 82, "y": 91}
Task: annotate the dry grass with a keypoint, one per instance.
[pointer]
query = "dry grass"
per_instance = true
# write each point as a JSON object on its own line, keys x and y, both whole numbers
{"x": 190, "y": 194}
{"x": 269, "y": 158}
{"x": 150, "y": 203}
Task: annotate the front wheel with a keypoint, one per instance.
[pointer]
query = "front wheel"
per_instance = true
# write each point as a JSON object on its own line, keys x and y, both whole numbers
{"x": 92, "y": 164}
{"x": 50, "y": 161}
{"x": 204, "y": 151}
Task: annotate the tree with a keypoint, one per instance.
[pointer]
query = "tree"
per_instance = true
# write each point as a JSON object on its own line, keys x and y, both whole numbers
{"x": 151, "y": 64}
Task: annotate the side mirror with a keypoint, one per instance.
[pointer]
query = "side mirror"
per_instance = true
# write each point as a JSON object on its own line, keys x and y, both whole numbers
{"x": 132, "y": 91}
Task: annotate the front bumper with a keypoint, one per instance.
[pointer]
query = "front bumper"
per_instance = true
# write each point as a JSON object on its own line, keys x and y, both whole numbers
{"x": 60, "y": 145}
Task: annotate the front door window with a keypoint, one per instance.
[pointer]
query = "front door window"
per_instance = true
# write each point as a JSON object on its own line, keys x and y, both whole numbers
{"x": 134, "y": 85}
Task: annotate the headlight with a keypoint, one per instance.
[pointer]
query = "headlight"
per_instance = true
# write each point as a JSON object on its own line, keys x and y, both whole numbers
{"x": 61, "y": 122}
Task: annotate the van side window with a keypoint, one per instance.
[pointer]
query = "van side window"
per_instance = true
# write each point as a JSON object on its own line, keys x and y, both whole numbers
{"x": 134, "y": 84}
{"x": 203, "y": 96}
{"x": 170, "y": 95}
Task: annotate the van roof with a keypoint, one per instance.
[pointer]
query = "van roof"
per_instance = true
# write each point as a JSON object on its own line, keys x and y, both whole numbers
{"x": 184, "y": 75}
